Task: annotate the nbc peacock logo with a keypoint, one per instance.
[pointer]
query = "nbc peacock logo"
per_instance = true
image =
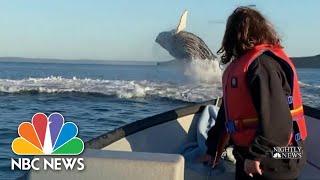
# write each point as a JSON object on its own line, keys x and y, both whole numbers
{"x": 47, "y": 136}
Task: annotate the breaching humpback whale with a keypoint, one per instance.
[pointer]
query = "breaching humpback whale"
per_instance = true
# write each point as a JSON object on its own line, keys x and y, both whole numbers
{"x": 182, "y": 44}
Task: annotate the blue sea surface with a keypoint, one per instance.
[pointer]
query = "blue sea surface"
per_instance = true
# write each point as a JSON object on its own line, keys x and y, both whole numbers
{"x": 100, "y": 98}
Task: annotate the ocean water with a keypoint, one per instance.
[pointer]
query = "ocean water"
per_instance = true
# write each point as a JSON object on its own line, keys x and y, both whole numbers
{"x": 99, "y": 98}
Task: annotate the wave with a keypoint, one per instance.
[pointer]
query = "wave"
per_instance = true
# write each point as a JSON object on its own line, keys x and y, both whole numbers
{"x": 302, "y": 84}
{"x": 120, "y": 88}
{"x": 193, "y": 92}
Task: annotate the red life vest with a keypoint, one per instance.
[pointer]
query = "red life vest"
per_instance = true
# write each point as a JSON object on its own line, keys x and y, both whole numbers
{"x": 241, "y": 115}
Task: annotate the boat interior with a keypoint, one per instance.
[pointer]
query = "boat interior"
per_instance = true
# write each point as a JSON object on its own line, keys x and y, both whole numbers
{"x": 149, "y": 149}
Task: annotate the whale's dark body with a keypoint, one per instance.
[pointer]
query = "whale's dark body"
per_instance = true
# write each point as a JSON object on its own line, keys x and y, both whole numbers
{"x": 184, "y": 45}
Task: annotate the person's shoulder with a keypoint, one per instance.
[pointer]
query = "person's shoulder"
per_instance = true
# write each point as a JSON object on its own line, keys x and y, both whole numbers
{"x": 266, "y": 60}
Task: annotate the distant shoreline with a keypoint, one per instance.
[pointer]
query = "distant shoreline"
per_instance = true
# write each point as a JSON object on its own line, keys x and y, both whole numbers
{"x": 300, "y": 62}
{"x": 307, "y": 62}
{"x": 74, "y": 61}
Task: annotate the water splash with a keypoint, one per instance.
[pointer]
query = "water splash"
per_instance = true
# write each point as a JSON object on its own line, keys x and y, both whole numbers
{"x": 204, "y": 71}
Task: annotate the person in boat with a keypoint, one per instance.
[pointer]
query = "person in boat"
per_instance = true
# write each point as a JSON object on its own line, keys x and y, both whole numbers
{"x": 262, "y": 106}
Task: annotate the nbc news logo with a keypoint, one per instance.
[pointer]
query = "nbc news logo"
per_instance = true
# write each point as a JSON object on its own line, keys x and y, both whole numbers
{"x": 47, "y": 136}
{"x": 288, "y": 152}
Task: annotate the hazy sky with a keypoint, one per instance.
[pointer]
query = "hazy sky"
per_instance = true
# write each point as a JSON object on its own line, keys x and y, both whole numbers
{"x": 126, "y": 29}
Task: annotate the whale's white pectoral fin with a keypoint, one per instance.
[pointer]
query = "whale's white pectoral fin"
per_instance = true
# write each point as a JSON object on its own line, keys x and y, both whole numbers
{"x": 183, "y": 22}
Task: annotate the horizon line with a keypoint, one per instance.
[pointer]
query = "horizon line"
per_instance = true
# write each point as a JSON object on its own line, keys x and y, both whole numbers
{"x": 104, "y": 60}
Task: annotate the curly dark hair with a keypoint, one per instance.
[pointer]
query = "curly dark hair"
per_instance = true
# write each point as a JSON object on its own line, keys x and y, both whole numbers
{"x": 246, "y": 27}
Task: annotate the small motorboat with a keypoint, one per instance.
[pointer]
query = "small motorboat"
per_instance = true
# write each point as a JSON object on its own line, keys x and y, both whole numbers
{"x": 149, "y": 149}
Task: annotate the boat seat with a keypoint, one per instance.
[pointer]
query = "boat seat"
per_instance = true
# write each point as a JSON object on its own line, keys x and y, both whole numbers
{"x": 115, "y": 165}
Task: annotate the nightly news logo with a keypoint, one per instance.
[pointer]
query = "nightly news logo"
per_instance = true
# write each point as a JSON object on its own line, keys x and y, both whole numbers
{"x": 47, "y": 136}
{"x": 288, "y": 152}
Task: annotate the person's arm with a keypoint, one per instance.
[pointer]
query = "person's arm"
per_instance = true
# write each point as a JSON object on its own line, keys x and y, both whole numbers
{"x": 269, "y": 89}
{"x": 215, "y": 133}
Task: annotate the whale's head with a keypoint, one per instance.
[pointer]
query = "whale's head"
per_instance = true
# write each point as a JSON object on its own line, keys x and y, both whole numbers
{"x": 165, "y": 39}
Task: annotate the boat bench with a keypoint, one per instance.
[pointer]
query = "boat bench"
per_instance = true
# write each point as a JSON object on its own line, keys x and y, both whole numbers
{"x": 116, "y": 165}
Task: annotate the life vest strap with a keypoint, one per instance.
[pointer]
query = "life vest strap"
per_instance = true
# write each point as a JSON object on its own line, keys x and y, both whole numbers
{"x": 252, "y": 123}
{"x": 297, "y": 111}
